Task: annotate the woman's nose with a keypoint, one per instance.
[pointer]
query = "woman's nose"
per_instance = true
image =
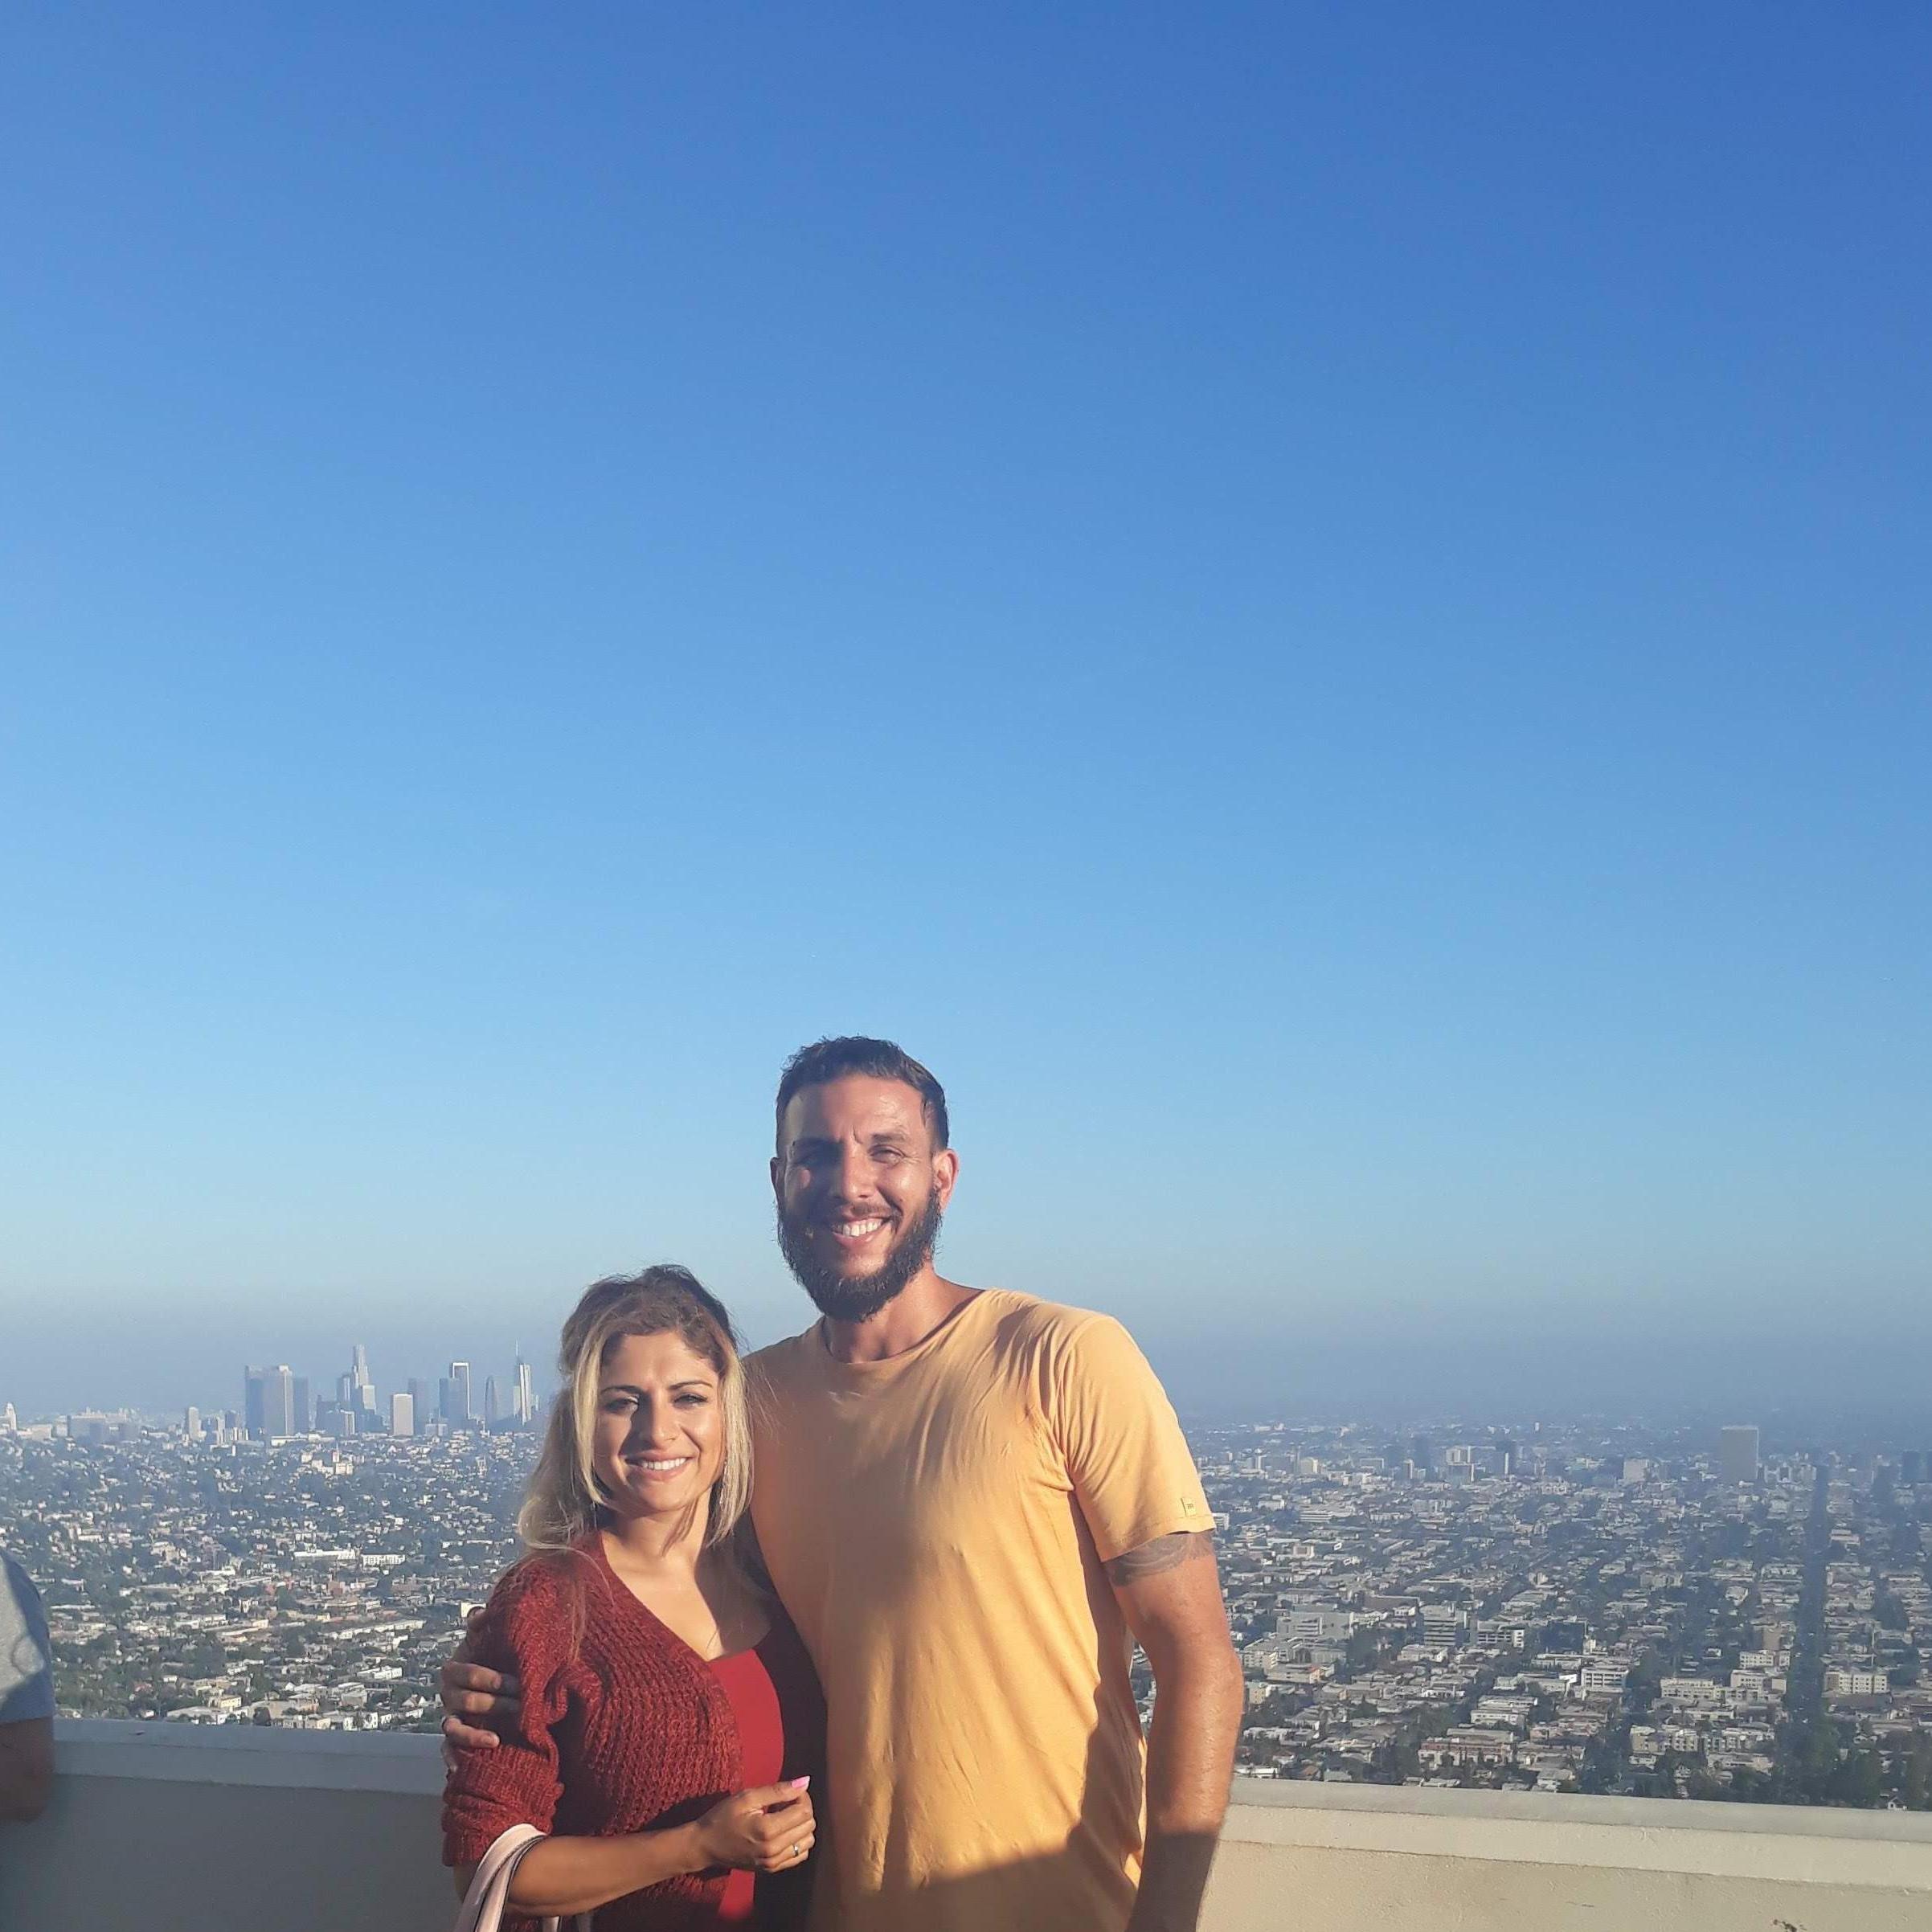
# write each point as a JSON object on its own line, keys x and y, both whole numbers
{"x": 652, "y": 1424}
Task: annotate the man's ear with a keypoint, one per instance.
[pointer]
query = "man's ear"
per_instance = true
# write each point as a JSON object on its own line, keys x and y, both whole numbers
{"x": 777, "y": 1169}
{"x": 945, "y": 1171}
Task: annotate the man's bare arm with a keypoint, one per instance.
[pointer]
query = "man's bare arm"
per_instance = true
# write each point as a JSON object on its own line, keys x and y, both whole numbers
{"x": 1169, "y": 1591}
{"x": 27, "y": 1768}
{"x": 1163, "y": 1554}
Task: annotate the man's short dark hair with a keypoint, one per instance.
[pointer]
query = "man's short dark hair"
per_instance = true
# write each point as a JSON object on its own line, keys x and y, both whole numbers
{"x": 826, "y": 1060}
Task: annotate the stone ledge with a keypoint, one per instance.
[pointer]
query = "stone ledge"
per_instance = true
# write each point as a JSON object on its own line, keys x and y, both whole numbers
{"x": 1795, "y": 1844}
{"x": 403, "y": 1762}
{"x": 1786, "y": 1843}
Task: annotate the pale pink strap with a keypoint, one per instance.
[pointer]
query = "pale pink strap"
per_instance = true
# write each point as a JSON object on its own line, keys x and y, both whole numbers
{"x": 489, "y": 1890}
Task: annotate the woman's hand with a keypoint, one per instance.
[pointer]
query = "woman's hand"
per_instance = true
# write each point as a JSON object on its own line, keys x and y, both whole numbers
{"x": 769, "y": 1828}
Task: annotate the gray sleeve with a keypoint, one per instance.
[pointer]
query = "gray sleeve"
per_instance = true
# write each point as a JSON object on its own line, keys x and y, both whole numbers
{"x": 26, "y": 1657}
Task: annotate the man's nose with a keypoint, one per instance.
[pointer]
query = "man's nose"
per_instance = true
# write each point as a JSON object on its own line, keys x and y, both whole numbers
{"x": 854, "y": 1177}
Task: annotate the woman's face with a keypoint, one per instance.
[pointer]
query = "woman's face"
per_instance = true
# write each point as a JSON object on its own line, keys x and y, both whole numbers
{"x": 659, "y": 1443}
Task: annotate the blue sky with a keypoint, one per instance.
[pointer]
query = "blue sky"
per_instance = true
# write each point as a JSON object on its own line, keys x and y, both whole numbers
{"x": 1324, "y": 608}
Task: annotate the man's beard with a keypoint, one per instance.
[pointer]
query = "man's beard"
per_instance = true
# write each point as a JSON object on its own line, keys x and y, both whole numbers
{"x": 848, "y": 1298}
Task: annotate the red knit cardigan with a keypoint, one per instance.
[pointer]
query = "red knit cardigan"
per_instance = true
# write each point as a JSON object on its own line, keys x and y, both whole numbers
{"x": 623, "y": 1728}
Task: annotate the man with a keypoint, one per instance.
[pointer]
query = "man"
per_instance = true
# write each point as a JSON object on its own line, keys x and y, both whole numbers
{"x": 969, "y": 1500}
{"x": 26, "y": 1697}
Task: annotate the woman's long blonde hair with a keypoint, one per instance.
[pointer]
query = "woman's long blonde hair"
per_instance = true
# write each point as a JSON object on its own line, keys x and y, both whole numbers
{"x": 565, "y": 1501}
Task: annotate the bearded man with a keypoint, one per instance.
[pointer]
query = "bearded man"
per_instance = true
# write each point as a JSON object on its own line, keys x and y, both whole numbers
{"x": 971, "y": 1503}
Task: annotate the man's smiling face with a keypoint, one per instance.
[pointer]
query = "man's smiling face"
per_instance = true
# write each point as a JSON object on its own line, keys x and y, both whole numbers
{"x": 861, "y": 1189}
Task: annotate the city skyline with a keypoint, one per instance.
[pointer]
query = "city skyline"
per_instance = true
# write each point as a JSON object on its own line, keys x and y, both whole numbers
{"x": 1648, "y": 1366}
{"x": 1785, "y": 1426}
{"x": 278, "y": 1403}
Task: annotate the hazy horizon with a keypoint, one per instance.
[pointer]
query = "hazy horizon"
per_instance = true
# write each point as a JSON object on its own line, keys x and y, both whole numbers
{"x": 1645, "y": 1362}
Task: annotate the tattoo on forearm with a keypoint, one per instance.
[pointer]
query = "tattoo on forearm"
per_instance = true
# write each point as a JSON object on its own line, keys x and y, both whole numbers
{"x": 1163, "y": 1552}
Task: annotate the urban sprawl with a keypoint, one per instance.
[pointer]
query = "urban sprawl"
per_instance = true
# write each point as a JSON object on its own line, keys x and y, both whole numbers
{"x": 1565, "y": 1607}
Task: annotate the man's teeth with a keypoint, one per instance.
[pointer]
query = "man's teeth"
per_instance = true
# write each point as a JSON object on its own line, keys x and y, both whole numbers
{"x": 856, "y": 1230}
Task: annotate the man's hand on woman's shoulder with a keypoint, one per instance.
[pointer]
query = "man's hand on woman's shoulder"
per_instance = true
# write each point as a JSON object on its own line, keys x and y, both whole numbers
{"x": 474, "y": 1697}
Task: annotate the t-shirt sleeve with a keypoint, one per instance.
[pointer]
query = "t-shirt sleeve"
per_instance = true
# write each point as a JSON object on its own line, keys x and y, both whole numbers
{"x": 26, "y": 1656}
{"x": 524, "y": 1631}
{"x": 1129, "y": 1464}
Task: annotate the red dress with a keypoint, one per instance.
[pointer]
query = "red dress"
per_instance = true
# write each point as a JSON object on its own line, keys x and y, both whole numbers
{"x": 624, "y": 1728}
{"x": 758, "y": 1706}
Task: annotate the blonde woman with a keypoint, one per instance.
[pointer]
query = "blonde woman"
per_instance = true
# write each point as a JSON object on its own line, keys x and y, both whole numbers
{"x": 670, "y": 1723}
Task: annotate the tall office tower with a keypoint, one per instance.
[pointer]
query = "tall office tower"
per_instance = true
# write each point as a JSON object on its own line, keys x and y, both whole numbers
{"x": 269, "y": 1404}
{"x": 282, "y": 1401}
{"x": 453, "y": 1396}
{"x": 525, "y": 1407}
{"x": 9, "y": 1420}
{"x": 362, "y": 1384}
{"x": 401, "y": 1415}
{"x": 345, "y": 1422}
{"x": 1914, "y": 1461}
{"x": 459, "y": 1374}
{"x": 1738, "y": 1453}
{"x": 1419, "y": 1453}
{"x": 493, "y": 1411}
{"x": 305, "y": 1408}
{"x": 190, "y": 1423}
{"x": 345, "y": 1391}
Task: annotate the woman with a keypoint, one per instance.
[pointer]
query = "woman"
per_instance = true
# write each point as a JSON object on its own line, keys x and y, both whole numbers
{"x": 671, "y": 1721}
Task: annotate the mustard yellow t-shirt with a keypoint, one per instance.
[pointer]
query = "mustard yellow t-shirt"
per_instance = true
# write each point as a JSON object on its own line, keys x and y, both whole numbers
{"x": 936, "y": 1524}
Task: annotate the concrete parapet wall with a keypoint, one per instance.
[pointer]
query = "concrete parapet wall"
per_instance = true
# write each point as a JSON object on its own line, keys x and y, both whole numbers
{"x": 176, "y": 1828}
{"x": 1369, "y": 1858}
{"x": 158, "y": 1827}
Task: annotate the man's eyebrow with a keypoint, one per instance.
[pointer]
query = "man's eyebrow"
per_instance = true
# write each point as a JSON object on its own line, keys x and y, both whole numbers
{"x": 819, "y": 1143}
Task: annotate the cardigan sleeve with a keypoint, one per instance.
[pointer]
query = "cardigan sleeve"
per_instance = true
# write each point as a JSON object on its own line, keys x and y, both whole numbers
{"x": 525, "y": 1629}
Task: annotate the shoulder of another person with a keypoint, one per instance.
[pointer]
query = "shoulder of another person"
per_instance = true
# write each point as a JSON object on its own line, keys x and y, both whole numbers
{"x": 770, "y": 1363}
{"x": 1079, "y": 1336}
{"x": 1077, "y": 1353}
{"x": 1035, "y": 1318}
{"x": 20, "y": 1595}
